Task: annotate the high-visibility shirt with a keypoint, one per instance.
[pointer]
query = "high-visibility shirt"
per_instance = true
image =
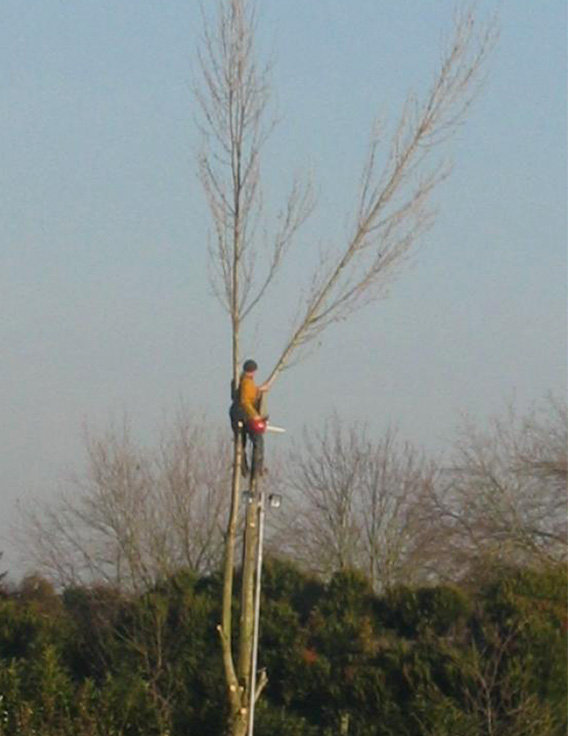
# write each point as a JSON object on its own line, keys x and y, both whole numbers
{"x": 248, "y": 396}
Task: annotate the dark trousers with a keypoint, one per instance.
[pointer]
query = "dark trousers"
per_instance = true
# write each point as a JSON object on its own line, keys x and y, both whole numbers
{"x": 256, "y": 440}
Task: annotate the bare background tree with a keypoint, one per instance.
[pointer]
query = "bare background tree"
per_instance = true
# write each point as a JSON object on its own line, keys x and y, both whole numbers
{"x": 361, "y": 505}
{"x": 504, "y": 496}
{"x": 135, "y": 515}
{"x": 384, "y": 507}
{"x": 400, "y": 543}
{"x": 324, "y": 481}
{"x": 139, "y": 514}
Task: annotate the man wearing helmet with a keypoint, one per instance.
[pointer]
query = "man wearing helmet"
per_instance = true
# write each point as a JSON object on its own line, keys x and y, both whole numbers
{"x": 245, "y": 409}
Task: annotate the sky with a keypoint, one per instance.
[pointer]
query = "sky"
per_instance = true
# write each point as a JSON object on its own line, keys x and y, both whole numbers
{"x": 107, "y": 310}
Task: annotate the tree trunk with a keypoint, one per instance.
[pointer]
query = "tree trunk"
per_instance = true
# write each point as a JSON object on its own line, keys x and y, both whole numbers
{"x": 247, "y": 589}
{"x": 238, "y": 725}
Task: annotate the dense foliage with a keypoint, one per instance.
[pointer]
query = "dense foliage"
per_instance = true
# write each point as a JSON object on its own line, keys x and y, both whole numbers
{"x": 485, "y": 657}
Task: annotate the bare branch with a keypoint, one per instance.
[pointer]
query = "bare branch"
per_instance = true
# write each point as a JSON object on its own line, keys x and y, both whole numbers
{"x": 233, "y": 96}
{"x": 393, "y": 209}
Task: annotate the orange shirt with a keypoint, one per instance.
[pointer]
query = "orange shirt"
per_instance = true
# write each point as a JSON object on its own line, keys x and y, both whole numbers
{"x": 248, "y": 396}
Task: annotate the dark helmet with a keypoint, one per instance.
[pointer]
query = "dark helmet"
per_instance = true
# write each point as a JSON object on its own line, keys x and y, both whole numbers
{"x": 249, "y": 366}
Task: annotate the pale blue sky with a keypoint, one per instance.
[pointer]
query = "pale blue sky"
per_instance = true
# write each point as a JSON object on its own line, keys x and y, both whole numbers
{"x": 103, "y": 278}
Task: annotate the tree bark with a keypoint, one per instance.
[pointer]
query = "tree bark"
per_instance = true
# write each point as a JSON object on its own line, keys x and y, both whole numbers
{"x": 247, "y": 589}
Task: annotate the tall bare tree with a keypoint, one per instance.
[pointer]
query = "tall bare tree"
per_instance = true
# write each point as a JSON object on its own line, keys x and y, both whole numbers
{"x": 394, "y": 209}
{"x": 233, "y": 97}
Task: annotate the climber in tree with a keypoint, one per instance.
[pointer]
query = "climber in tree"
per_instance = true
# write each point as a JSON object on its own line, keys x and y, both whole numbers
{"x": 245, "y": 410}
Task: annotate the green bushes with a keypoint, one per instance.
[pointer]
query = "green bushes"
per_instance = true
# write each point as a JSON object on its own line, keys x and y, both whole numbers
{"x": 438, "y": 610}
{"x": 489, "y": 658}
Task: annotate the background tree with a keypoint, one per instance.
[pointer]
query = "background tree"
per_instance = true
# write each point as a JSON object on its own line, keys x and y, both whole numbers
{"x": 399, "y": 542}
{"x": 362, "y": 506}
{"x": 393, "y": 211}
{"x": 504, "y": 496}
{"x": 325, "y": 483}
{"x": 136, "y": 515}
